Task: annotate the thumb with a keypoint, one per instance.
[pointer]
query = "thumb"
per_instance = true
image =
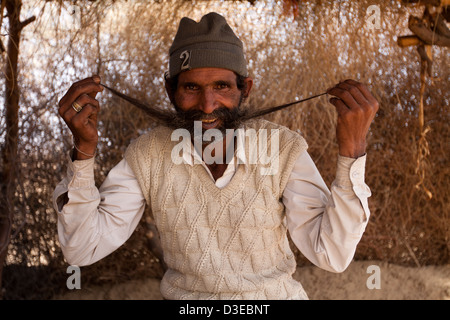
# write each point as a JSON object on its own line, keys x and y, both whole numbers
{"x": 96, "y": 79}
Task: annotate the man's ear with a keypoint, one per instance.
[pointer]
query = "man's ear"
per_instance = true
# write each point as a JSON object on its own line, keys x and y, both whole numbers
{"x": 247, "y": 87}
{"x": 168, "y": 83}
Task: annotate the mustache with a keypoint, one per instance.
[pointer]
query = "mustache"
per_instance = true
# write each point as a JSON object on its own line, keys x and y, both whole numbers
{"x": 157, "y": 114}
{"x": 231, "y": 118}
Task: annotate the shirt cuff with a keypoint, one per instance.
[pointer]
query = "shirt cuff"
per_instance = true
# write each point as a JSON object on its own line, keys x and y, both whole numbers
{"x": 350, "y": 171}
{"x": 80, "y": 173}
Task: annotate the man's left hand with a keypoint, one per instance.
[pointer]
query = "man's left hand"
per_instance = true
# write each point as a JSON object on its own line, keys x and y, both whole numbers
{"x": 356, "y": 108}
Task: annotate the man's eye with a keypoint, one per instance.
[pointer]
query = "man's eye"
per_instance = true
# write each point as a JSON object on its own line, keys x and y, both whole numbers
{"x": 191, "y": 87}
{"x": 222, "y": 86}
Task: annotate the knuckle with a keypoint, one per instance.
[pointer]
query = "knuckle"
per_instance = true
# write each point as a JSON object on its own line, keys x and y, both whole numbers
{"x": 80, "y": 88}
{"x": 74, "y": 91}
{"x": 354, "y": 90}
{"x": 342, "y": 86}
{"x": 360, "y": 85}
{"x": 359, "y": 112}
{"x": 376, "y": 105}
{"x": 346, "y": 94}
{"x": 337, "y": 88}
{"x": 75, "y": 87}
{"x": 90, "y": 108}
{"x": 65, "y": 114}
{"x": 372, "y": 107}
{"x": 77, "y": 122}
{"x": 95, "y": 103}
{"x": 83, "y": 99}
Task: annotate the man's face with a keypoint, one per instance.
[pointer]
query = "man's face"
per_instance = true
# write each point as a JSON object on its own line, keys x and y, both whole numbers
{"x": 210, "y": 95}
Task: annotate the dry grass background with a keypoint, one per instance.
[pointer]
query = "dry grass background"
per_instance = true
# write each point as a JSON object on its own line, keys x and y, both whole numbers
{"x": 290, "y": 58}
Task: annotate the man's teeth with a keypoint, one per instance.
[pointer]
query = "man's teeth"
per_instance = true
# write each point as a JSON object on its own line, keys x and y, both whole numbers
{"x": 208, "y": 121}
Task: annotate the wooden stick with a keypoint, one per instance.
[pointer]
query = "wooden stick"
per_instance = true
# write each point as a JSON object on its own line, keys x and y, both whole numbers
{"x": 407, "y": 41}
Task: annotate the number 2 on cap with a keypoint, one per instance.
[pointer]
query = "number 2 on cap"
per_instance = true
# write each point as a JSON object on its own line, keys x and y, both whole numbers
{"x": 186, "y": 55}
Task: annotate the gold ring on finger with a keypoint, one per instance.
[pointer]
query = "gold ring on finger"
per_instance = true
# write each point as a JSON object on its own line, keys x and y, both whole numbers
{"x": 76, "y": 106}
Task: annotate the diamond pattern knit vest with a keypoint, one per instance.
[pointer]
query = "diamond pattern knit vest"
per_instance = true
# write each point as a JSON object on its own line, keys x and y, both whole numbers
{"x": 228, "y": 243}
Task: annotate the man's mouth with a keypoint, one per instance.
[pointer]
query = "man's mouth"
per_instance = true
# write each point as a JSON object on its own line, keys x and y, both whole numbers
{"x": 209, "y": 120}
{"x": 209, "y": 123}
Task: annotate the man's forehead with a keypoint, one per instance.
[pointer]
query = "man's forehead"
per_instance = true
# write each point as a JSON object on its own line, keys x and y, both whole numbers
{"x": 207, "y": 75}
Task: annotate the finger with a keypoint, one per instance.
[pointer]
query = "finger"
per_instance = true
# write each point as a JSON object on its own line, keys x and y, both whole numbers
{"x": 344, "y": 96}
{"x": 67, "y": 114}
{"x": 88, "y": 111}
{"x": 84, "y": 88}
{"x": 355, "y": 92}
{"x": 78, "y": 83}
{"x": 363, "y": 89}
{"x": 67, "y": 111}
{"x": 87, "y": 86}
{"x": 96, "y": 80}
{"x": 340, "y": 106}
{"x": 92, "y": 94}
{"x": 85, "y": 99}
{"x": 81, "y": 119}
{"x": 75, "y": 93}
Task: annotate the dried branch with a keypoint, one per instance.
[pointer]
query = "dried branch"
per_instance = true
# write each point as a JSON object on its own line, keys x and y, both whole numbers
{"x": 441, "y": 27}
{"x": 417, "y": 26}
{"x": 426, "y": 57}
{"x": 23, "y": 24}
{"x": 435, "y": 3}
{"x": 446, "y": 13}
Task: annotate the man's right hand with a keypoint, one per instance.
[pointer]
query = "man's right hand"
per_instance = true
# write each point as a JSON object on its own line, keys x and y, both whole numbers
{"x": 83, "y": 124}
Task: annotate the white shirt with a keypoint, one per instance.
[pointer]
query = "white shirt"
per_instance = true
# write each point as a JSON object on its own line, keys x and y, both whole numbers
{"x": 325, "y": 225}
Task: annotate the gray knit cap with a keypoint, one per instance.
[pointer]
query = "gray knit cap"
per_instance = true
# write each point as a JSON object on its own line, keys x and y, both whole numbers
{"x": 208, "y": 43}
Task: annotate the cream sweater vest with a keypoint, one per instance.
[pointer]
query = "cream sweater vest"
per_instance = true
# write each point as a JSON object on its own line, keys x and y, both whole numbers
{"x": 228, "y": 243}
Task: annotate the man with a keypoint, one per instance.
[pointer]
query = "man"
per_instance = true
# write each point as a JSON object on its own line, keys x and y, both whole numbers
{"x": 223, "y": 224}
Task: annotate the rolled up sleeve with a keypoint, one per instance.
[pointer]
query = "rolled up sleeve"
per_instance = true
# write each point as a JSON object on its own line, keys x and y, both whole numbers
{"x": 93, "y": 222}
{"x": 327, "y": 224}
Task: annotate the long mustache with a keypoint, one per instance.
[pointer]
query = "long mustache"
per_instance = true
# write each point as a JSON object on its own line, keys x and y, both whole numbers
{"x": 158, "y": 114}
{"x": 177, "y": 119}
{"x": 229, "y": 118}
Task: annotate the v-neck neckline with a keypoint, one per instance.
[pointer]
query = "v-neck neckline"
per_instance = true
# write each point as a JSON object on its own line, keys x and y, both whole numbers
{"x": 234, "y": 185}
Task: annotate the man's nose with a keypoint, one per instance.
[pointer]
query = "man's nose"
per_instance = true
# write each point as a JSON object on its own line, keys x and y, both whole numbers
{"x": 208, "y": 101}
